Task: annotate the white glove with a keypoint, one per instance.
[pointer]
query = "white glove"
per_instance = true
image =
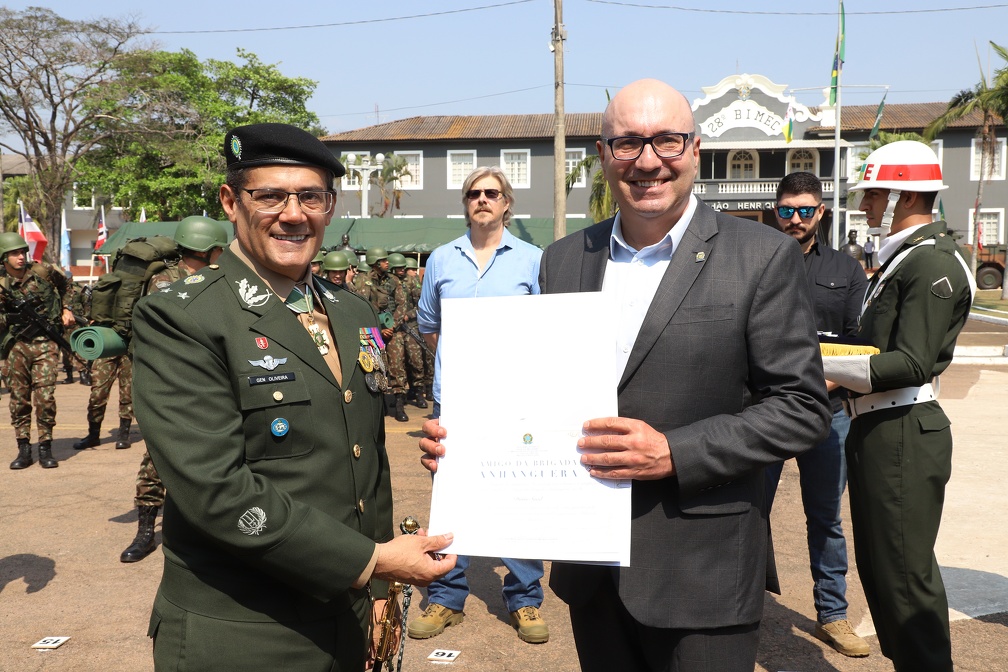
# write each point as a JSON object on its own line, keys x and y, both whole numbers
{"x": 852, "y": 372}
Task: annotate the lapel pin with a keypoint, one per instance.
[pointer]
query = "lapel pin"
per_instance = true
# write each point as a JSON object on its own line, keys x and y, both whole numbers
{"x": 700, "y": 256}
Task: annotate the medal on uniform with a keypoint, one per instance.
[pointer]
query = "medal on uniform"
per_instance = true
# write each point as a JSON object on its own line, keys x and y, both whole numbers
{"x": 371, "y": 381}
{"x": 366, "y": 361}
{"x": 319, "y": 336}
{"x": 381, "y": 380}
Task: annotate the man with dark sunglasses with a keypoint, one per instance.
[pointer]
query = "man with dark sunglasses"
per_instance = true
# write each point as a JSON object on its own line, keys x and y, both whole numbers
{"x": 486, "y": 261}
{"x": 837, "y": 284}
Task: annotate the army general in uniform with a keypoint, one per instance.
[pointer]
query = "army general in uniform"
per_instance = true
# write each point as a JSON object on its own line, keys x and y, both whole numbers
{"x": 252, "y": 389}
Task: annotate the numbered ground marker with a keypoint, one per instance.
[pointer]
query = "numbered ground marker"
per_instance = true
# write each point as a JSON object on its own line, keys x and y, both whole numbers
{"x": 50, "y": 643}
{"x": 443, "y": 656}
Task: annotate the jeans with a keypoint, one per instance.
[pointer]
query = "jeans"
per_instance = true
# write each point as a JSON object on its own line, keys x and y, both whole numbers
{"x": 823, "y": 477}
{"x": 522, "y": 587}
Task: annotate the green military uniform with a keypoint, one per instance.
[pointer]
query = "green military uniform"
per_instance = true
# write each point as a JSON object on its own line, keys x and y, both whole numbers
{"x": 150, "y": 491}
{"x": 277, "y": 477}
{"x": 900, "y": 458}
{"x": 414, "y": 286}
{"x": 33, "y": 359}
{"x": 78, "y": 300}
{"x": 386, "y": 294}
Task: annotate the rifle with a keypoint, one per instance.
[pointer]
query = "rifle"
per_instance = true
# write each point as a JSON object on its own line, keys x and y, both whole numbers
{"x": 415, "y": 335}
{"x": 29, "y": 313}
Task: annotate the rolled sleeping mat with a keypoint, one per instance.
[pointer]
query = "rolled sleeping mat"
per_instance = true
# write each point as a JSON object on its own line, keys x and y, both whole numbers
{"x": 96, "y": 342}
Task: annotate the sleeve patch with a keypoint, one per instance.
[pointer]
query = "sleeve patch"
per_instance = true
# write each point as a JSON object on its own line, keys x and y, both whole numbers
{"x": 942, "y": 288}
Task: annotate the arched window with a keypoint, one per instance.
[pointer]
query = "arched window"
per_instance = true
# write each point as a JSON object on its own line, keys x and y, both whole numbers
{"x": 803, "y": 159}
{"x": 742, "y": 165}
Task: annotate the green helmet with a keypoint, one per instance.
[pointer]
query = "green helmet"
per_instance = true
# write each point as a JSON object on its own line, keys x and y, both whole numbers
{"x": 362, "y": 267}
{"x": 396, "y": 260}
{"x": 10, "y": 242}
{"x": 351, "y": 257}
{"x": 335, "y": 261}
{"x": 412, "y": 263}
{"x": 320, "y": 257}
{"x": 375, "y": 254}
{"x": 200, "y": 234}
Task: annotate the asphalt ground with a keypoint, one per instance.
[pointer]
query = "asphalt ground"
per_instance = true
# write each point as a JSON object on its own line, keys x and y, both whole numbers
{"x": 61, "y": 532}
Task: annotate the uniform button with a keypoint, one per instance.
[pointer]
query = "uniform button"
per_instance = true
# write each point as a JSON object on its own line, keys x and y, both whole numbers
{"x": 278, "y": 396}
{"x": 360, "y": 505}
{"x": 356, "y": 450}
{"x": 348, "y": 396}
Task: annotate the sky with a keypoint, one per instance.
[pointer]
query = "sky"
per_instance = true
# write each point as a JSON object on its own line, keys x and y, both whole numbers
{"x": 381, "y": 61}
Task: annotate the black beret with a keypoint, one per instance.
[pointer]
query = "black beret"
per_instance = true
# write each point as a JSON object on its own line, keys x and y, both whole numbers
{"x": 269, "y": 144}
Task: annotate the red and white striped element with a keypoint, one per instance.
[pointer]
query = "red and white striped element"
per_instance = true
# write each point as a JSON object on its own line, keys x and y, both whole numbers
{"x": 30, "y": 231}
{"x": 102, "y": 230}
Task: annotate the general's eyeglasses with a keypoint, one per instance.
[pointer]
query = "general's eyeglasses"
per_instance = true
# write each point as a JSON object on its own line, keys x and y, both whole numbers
{"x": 804, "y": 211}
{"x": 665, "y": 145}
{"x": 273, "y": 201}
{"x": 491, "y": 194}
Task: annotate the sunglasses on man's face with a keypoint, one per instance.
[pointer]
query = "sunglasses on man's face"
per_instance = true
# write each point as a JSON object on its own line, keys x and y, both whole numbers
{"x": 491, "y": 194}
{"x": 804, "y": 211}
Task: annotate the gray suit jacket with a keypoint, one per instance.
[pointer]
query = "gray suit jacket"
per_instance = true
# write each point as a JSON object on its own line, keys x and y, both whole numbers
{"x": 727, "y": 366}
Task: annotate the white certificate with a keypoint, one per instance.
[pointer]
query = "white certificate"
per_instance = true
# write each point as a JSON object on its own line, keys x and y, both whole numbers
{"x": 519, "y": 377}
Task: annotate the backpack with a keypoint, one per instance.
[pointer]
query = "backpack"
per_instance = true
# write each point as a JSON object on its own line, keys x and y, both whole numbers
{"x": 115, "y": 293}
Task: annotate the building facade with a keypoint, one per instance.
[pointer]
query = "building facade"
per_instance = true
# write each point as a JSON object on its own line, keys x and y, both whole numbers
{"x": 744, "y": 153}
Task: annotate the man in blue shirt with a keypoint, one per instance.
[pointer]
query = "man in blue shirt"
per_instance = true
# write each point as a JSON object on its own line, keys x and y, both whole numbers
{"x": 486, "y": 261}
{"x": 837, "y": 284}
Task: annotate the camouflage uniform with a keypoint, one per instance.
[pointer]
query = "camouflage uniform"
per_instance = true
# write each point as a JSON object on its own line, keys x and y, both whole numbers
{"x": 414, "y": 286}
{"x": 77, "y": 299}
{"x": 34, "y": 360}
{"x": 414, "y": 352}
{"x": 104, "y": 372}
{"x": 150, "y": 491}
{"x": 387, "y": 295}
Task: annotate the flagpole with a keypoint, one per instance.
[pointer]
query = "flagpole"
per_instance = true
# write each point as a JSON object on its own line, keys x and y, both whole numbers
{"x": 835, "y": 229}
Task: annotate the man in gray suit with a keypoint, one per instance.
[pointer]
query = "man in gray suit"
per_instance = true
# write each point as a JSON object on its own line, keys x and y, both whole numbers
{"x": 721, "y": 376}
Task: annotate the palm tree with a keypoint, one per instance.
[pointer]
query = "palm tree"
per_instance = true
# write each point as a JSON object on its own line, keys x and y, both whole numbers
{"x": 601, "y": 204}
{"x": 990, "y": 99}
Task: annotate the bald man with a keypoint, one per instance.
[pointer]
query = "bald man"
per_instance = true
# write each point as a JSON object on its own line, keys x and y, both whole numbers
{"x": 719, "y": 376}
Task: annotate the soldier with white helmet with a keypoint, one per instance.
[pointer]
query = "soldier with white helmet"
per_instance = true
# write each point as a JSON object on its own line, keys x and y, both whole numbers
{"x": 899, "y": 449}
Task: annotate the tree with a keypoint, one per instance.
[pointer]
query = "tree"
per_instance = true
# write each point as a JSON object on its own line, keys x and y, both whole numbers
{"x": 990, "y": 99}
{"x": 389, "y": 182}
{"x": 601, "y": 204}
{"x": 162, "y": 149}
{"x": 51, "y": 69}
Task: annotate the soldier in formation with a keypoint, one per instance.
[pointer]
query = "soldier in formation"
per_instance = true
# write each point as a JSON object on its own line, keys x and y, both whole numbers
{"x": 28, "y": 346}
{"x": 413, "y": 352}
{"x": 388, "y": 297}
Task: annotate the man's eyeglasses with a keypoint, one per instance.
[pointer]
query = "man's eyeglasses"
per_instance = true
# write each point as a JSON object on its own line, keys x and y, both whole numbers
{"x": 666, "y": 145}
{"x": 491, "y": 194}
{"x": 273, "y": 201}
{"x": 804, "y": 211}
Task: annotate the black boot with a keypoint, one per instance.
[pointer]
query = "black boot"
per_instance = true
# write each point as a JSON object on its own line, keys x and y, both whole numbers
{"x": 24, "y": 458}
{"x": 400, "y": 413}
{"x": 45, "y": 458}
{"x": 85, "y": 376}
{"x": 92, "y": 439}
{"x": 69, "y": 378}
{"x": 429, "y": 392}
{"x": 123, "y": 440}
{"x": 418, "y": 397}
{"x": 143, "y": 544}
{"x": 389, "y": 404}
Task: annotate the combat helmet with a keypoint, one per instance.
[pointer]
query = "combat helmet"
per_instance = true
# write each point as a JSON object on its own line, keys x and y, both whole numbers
{"x": 320, "y": 257}
{"x": 396, "y": 260}
{"x": 335, "y": 261}
{"x": 200, "y": 234}
{"x": 11, "y": 242}
{"x": 375, "y": 254}
{"x": 412, "y": 263}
